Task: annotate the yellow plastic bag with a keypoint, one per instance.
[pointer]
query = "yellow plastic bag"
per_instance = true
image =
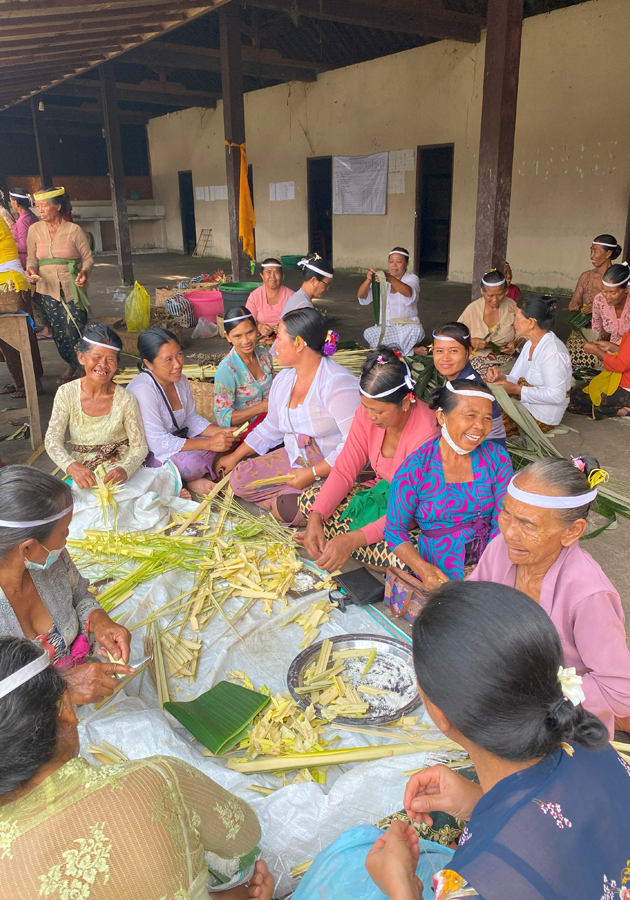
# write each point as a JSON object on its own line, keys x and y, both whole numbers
{"x": 138, "y": 309}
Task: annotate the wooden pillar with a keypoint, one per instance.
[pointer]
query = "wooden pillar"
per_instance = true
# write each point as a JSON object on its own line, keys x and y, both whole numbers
{"x": 496, "y": 147}
{"x": 116, "y": 171}
{"x": 41, "y": 140}
{"x": 234, "y": 126}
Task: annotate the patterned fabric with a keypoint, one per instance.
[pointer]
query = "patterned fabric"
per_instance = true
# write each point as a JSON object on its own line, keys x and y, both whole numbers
{"x": 500, "y": 334}
{"x": 606, "y": 321}
{"x": 403, "y": 337}
{"x": 580, "y": 359}
{"x": 558, "y": 829}
{"x": 182, "y": 310}
{"x": 116, "y": 439}
{"x": 444, "y": 830}
{"x": 235, "y": 387}
{"x": 581, "y": 404}
{"x": 20, "y": 232}
{"x": 137, "y": 830}
{"x": 420, "y": 494}
{"x": 481, "y": 364}
{"x": 67, "y": 323}
{"x": 588, "y": 286}
{"x": 69, "y": 242}
{"x": 66, "y": 596}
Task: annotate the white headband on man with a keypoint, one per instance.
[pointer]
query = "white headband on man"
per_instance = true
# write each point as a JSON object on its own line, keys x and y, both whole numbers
{"x": 305, "y": 264}
{"x": 449, "y": 387}
{"x": 238, "y": 318}
{"x": 618, "y": 283}
{"x": 33, "y": 523}
{"x": 548, "y": 501}
{"x": 493, "y": 283}
{"x": 30, "y": 670}
{"x": 602, "y": 244}
{"x": 98, "y": 344}
{"x": 401, "y": 252}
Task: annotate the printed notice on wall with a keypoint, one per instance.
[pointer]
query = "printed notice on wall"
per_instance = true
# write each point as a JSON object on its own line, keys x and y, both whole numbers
{"x": 218, "y": 192}
{"x": 360, "y": 185}
{"x": 400, "y": 161}
{"x": 282, "y": 190}
{"x": 199, "y": 193}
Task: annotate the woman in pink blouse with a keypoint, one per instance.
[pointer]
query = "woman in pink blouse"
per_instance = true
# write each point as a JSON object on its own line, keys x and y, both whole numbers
{"x": 611, "y": 307}
{"x": 388, "y": 426}
{"x": 538, "y": 552}
{"x": 267, "y": 302}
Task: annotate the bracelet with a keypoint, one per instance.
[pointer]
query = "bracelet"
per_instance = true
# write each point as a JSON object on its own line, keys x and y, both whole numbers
{"x": 315, "y": 475}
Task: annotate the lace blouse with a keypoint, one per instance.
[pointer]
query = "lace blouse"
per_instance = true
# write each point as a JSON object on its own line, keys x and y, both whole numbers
{"x": 135, "y": 830}
{"x": 124, "y": 422}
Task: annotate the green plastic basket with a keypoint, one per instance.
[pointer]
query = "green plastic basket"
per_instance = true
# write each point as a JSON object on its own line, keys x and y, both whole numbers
{"x": 235, "y": 293}
{"x": 290, "y": 262}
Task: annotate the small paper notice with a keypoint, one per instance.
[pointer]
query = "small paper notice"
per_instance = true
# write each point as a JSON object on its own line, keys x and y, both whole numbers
{"x": 282, "y": 190}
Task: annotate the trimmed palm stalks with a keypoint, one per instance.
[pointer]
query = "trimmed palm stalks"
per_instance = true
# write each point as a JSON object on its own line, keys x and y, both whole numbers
{"x": 107, "y": 753}
{"x": 323, "y": 758}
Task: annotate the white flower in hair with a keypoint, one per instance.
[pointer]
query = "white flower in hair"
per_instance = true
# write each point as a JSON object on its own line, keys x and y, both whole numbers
{"x": 571, "y": 685}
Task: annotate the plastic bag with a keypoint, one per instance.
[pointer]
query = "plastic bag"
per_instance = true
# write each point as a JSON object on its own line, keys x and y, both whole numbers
{"x": 206, "y": 328}
{"x": 138, "y": 309}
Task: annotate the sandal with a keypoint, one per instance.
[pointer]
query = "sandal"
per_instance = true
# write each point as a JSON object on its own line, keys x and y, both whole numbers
{"x": 8, "y": 389}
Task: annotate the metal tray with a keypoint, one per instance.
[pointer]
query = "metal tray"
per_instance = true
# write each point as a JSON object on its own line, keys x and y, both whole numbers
{"x": 386, "y": 646}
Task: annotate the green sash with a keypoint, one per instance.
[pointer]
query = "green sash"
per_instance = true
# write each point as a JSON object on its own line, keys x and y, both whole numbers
{"x": 367, "y": 505}
{"x": 79, "y": 294}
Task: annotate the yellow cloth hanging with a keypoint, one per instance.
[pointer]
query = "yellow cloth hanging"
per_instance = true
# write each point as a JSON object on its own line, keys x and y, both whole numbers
{"x": 246, "y": 214}
{"x": 604, "y": 383}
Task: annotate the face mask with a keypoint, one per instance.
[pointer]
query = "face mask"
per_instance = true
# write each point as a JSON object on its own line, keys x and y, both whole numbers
{"x": 53, "y": 556}
{"x": 449, "y": 440}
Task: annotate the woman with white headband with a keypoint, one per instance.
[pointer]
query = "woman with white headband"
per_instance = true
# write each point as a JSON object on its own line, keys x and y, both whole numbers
{"x": 267, "y": 302}
{"x": 604, "y": 249}
{"x": 104, "y": 419}
{"x": 42, "y": 595}
{"x": 541, "y": 376}
{"x": 243, "y": 379}
{"x": 176, "y": 433}
{"x": 346, "y": 518}
{"x": 59, "y": 261}
{"x": 549, "y": 817}
{"x": 141, "y": 829}
{"x": 538, "y": 552}
{"x": 399, "y": 325}
{"x": 451, "y": 488}
{"x": 490, "y": 321}
{"x": 317, "y": 275}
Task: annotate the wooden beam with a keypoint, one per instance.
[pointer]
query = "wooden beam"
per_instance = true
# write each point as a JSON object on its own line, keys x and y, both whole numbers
{"x": 23, "y": 33}
{"x": 17, "y": 9}
{"x": 55, "y": 114}
{"x": 260, "y": 64}
{"x": 68, "y": 23}
{"x": 72, "y": 45}
{"x": 434, "y": 23}
{"x": 166, "y": 93}
{"x": 116, "y": 172}
{"x": 496, "y": 147}
{"x": 234, "y": 126}
{"x": 41, "y": 142}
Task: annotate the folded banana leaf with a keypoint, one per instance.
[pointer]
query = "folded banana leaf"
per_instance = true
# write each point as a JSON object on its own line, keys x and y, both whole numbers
{"x": 376, "y": 300}
{"x": 425, "y": 374}
{"x": 580, "y": 323}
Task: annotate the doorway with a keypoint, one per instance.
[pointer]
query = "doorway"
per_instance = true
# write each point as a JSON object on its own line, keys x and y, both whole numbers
{"x": 434, "y": 191}
{"x": 319, "y": 175}
{"x": 187, "y": 210}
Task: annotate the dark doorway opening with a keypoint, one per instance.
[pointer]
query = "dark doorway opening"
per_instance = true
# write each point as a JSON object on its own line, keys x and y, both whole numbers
{"x": 187, "y": 210}
{"x": 319, "y": 174}
{"x": 433, "y": 209}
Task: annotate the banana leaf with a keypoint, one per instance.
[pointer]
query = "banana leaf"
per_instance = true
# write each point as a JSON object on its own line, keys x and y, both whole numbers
{"x": 494, "y": 347}
{"x": 376, "y": 300}
{"x": 425, "y": 374}
{"x": 580, "y": 323}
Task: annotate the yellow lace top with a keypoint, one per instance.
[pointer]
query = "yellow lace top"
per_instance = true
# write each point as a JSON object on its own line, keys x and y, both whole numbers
{"x": 137, "y": 830}
{"x": 124, "y": 423}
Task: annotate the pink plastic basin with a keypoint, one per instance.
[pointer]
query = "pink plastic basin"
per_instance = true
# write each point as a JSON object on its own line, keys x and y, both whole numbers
{"x": 207, "y": 304}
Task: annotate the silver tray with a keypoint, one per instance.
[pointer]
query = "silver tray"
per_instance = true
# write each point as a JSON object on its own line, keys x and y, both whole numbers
{"x": 386, "y": 646}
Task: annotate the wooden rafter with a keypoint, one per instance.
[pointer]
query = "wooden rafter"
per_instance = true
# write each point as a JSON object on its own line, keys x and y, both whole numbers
{"x": 166, "y": 93}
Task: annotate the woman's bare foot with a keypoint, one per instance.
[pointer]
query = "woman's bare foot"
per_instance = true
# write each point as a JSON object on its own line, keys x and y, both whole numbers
{"x": 624, "y": 411}
{"x": 262, "y": 884}
{"x": 185, "y": 495}
{"x": 201, "y": 485}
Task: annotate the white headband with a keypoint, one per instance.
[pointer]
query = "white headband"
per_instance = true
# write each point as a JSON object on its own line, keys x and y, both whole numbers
{"x": 305, "y": 264}
{"x": 546, "y": 501}
{"x": 401, "y": 252}
{"x": 30, "y": 670}
{"x": 98, "y": 344}
{"x": 409, "y": 383}
{"x": 21, "y": 196}
{"x": 238, "y": 318}
{"x": 4, "y": 523}
{"x": 449, "y": 387}
{"x": 445, "y": 337}
{"x": 619, "y": 283}
{"x": 271, "y": 265}
{"x": 492, "y": 283}
{"x": 602, "y": 244}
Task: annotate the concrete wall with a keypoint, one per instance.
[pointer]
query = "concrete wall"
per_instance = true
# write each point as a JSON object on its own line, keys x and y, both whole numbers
{"x": 571, "y": 165}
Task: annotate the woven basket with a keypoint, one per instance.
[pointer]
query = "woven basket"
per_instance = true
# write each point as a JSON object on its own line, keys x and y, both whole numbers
{"x": 130, "y": 338}
{"x": 162, "y": 294}
{"x": 203, "y": 395}
{"x": 10, "y": 301}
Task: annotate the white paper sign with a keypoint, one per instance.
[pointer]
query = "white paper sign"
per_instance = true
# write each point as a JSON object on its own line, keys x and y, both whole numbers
{"x": 400, "y": 161}
{"x": 272, "y": 191}
{"x": 360, "y": 185}
{"x": 198, "y": 193}
{"x": 282, "y": 190}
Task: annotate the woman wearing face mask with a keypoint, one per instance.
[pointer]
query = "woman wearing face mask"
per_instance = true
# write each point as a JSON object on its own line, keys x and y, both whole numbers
{"x": 490, "y": 320}
{"x": 541, "y": 377}
{"x": 104, "y": 419}
{"x": 451, "y": 487}
{"x": 243, "y": 379}
{"x": 266, "y": 303}
{"x": 317, "y": 275}
{"x": 42, "y": 595}
{"x": 451, "y": 357}
{"x": 401, "y": 328}
{"x": 388, "y": 425}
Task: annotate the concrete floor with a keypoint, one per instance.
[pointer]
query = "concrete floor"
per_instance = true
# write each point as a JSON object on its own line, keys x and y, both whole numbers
{"x": 440, "y": 301}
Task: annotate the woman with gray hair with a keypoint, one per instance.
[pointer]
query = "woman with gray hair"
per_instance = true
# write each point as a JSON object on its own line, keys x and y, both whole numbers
{"x": 137, "y": 829}
{"x": 537, "y": 552}
{"x": 42, "y": 595}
